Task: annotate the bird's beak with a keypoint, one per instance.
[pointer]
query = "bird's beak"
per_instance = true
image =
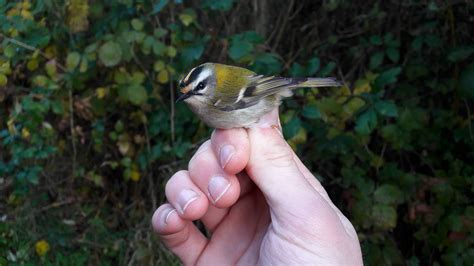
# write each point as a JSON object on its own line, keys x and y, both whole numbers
{"x": 183, "y": 97}
{"x": 186, "y": 93}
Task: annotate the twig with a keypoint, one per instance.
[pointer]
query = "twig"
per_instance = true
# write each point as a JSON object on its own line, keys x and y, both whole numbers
{"x": 468, "y": 118}
{"x": 172, "y": 112}
{"x": 73, "y": 135}
{"x": 31, "y": 48}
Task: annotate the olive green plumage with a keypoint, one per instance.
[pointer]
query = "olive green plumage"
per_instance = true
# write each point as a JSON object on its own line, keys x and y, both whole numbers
{"x": 226, "y": 96}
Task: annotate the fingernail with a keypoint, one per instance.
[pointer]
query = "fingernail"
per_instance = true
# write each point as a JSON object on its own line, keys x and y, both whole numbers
{"x": 225, "y": 154}
{"x": 168, "y": 215}
{"x": 185, "y": 198}
{"x": 217, "y": 187}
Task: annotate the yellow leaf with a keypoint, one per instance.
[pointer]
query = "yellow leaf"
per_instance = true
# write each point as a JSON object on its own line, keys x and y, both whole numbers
{"x": 186, "y": 19}
{"x": 135, "y": 175}
{"x": 5, "y": 67}
{"x": 100, "y": 92}
{"x": 78, "y": 10}
{"x": 11, "y": 126}
{"x": 158, "y": 66}
{"x": 163, "y": 76}
{"x": 26, "y": 5}
{"x": 32, "y": 65}
{"x": 171, "y": 51}
{"x": 3, "y": 80}
{"x": 361, "y": 86}
{"x": 299, "y": 138}
{"x": 25, "y": 133}
{"x": 13, "y": 12}
{"x": 50, "y": 51}
{"x": 26, "y": 14}
{"x": 42, "y": 247}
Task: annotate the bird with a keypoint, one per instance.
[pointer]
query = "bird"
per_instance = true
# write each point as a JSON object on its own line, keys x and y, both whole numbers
{"x": 225, "y": 96}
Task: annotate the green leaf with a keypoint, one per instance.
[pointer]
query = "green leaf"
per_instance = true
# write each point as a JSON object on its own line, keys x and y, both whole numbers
{"x": 291, "y": 128}
{"x": 296, "y": 70}
{"x": 239, "y": 49}
{"x": 171, "y": 51}
{"x": 376, "y": 60}
{"x": 328, "y": 69}
{"x": 311, "y": 112}
{"x": 459, "y": 54}
{"x": 466, "y": 82}
{"x": 366, "y": 122}
{"x": 72, "y": 60}
{"x": 110, "y": 54}
{"x": 313, "y": 66}
{"x": 388, "y": 194}
{"x": 159, "y": 6}
{"x": 393, "y": 54}
{"x": 384, "y": 217}
{"x": 9, "y": 51}
{"x": 137, "y": 94}
{"x": 386, "y": 108}
{"x": 387, "y": 77}
{"x": 137, "y": 24}
{"x": 224, "y": 5}
{"x": 375, "y": 40}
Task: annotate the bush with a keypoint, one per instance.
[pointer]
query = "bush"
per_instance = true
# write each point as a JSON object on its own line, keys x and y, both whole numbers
{"x": 90, "y": 131}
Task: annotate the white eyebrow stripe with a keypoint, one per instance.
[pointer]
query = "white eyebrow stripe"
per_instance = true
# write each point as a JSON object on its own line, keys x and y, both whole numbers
{"x": 189, "y": 74}
{"x": 241, "y": 94}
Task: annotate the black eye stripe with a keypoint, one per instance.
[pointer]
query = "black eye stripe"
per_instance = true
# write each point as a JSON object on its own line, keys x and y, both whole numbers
{"x": 201, "y": 85}
{"x": 194, "y": 75}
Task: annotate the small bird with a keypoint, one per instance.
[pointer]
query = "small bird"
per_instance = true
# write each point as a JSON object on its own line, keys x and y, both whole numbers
{"x": 226, "y": 96}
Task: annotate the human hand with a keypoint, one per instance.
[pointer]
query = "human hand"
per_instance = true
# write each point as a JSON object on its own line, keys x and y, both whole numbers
{"x": 276, "y": 213}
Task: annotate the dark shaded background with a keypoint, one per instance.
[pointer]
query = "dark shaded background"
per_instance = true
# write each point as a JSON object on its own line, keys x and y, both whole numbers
{"x": 90, "y": 133}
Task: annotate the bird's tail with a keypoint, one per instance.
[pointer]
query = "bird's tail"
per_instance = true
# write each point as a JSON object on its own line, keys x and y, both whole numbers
{"x": 315, "y": 82}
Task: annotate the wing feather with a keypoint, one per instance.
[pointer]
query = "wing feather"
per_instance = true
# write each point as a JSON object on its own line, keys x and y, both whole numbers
{"x": 260, "y": 87}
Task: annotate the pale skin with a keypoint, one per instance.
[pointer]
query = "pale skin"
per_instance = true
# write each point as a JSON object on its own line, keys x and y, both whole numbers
{"x": 275, "y": 214}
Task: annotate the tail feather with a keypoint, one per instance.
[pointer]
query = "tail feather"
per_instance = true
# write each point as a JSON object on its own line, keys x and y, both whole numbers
{"x": 316, "y": 82}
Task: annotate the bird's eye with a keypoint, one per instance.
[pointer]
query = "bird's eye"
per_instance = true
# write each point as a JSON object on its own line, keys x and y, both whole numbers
{"x": 200, "y": 86}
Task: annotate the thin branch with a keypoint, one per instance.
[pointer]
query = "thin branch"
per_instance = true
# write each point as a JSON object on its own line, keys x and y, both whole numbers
{"x": 31, "y": 48}
{"x": 73, "y": 135}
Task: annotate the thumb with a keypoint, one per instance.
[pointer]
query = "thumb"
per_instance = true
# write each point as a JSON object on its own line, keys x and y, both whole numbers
{"x": 273, "y": 168}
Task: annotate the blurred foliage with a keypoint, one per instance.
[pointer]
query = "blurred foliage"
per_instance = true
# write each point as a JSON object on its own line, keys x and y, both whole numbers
{"x": 90, "y": 133}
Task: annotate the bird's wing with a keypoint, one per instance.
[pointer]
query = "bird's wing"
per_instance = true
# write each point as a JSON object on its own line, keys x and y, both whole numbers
{"x": 260, "y": 87}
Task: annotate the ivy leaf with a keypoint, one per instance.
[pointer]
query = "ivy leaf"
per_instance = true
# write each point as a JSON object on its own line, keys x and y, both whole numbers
{"x": 386, "y": 108}
{"x": 110, "y": 53}
{"x": 388, "y": 194}
{"x": 366, "y": 122}
{"x": 72, "y": 60}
